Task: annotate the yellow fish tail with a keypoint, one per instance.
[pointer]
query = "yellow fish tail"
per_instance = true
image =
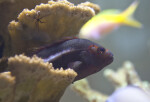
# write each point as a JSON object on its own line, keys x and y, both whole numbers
{"x": 132, "y": 22}
{"x": 128, "y": 15}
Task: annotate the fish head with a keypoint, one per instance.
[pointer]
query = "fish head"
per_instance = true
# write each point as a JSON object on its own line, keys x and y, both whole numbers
{"x": 94, "y": 59}
{"x": 99, "y": 56}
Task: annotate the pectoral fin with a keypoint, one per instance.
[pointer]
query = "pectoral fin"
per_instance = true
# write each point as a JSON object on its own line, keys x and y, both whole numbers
{"x": 75, "y": 65}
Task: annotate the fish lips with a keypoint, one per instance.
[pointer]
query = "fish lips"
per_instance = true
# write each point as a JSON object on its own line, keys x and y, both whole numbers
{"x": 108, "y": 57}
{"x": 105, "y": 59}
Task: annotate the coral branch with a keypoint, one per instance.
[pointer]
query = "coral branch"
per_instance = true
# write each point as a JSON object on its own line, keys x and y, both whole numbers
{"x": 82, "y": 88}
{"x": 34, "y": 80}
{"x": 126, "y": 75}
{"x": 126, "y": 81}
{"x": 9, "y": 10}
{"x": 6, "y": 87}
{"x": 47, "y": 23}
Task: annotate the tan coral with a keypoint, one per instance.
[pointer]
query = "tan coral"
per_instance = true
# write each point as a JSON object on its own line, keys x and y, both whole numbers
{"x": 47, "y": 23}
{"x": 124, "y": 76}
{"x": 9, "y": 10}
{"x": 83, "y": 89}
{"x": 33, "y": 79}
{"x": 91, "y": 5}
{"x": 6, "y": 86}
{"x": 36, "y": 81}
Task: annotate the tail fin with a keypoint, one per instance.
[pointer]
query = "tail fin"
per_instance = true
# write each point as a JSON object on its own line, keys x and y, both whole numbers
{"x": 128, "y": 14}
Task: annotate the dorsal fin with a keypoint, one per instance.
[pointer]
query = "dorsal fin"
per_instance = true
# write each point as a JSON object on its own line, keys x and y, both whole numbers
{"x": 58, "y": 42}
{"x": 36, "y": 50}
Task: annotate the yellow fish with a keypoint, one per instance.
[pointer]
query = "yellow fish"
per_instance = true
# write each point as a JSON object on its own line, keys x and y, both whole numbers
{"x": 108, "y": 20}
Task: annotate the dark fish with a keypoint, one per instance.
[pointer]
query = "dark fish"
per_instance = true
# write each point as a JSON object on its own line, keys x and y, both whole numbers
{"x": 81, "y": 55}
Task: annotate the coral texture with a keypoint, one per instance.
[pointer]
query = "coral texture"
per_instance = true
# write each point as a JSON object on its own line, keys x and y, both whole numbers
{"x": 32, "y": 80}
{"x": 9, "y": 10}
{"x": 91, "y": 5}
{"x": 6, "y": 87}
{"x": 82, "y": 87}
{"x": 47, "y": 23}
{"x": 126, "y": 75}
{"x": 122, "y": 78}
{"x": 29, "y": 78}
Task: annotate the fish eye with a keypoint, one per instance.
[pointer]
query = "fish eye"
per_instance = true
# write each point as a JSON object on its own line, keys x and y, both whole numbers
{"x": 101, "y": 50}
{"x": 93, "y": 48}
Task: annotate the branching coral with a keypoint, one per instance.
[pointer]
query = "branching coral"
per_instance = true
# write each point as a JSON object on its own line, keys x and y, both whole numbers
{"x": 124, "y": 76}
{"x": 32, "y": 80}
{"x": 47, "y": 23}
{"x": 9, "y": 10}
{"x": 91, "y": 5}
{"x": 76, "y": 15}
{"x": 82, "y": 87}
{"x": 6, "y": 87}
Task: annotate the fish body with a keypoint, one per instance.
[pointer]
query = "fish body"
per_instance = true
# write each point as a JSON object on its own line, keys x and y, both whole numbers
{"x": 81, "y": 55}
{"x": 109, "y": 20}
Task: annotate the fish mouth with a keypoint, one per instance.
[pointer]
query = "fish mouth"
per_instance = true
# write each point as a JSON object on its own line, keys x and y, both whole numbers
{"x": 109, "y": 57}
{"x": 106, "y": 59}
